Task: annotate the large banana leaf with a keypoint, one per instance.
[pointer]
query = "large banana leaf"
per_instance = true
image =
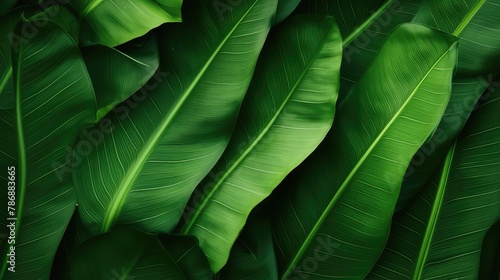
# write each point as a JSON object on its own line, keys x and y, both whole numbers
{"x": 365, "y": 26}
{"x": 440, "y": 235}
{"x": 112, "y": 23}
{"x": 145, "y": 170}
{"x": 477, "y": 24}
{"x": 333, "y": 219}
{"x": 117, "y": 73}
{"x": 286, "y": 113}
{"x": 53, "y": 91}
{"x": 124, "y": 253}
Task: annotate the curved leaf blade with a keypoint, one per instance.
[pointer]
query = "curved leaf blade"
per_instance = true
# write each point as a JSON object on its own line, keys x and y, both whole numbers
{"x": 287, "y": 111}
{"x": 328, "y": 223}
{"x": 118, "y": 73}
{"x": 53, "y": 90}
{"x": 165, "y": 146}
{"x": 113, "y": 23}
{"x": 440, "y": 235}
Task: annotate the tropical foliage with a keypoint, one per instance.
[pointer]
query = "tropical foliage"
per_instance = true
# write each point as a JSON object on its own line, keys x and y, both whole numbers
{"x": 250, "y": 139}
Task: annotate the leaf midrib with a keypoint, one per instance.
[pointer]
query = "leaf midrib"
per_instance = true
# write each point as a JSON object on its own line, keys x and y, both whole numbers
{"x": 134, "y": 169}
{"x": 468, "y": 18}
{"x": 435, "y": 211}
{"x": 366, "y": 23}
{"x": 340, "y": 191}
{"x": 228, "y": 172}
{"x": 91, "y": 6}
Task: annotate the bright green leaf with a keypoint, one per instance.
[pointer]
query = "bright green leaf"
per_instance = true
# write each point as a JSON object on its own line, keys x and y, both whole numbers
{"x": 113, "y": 23}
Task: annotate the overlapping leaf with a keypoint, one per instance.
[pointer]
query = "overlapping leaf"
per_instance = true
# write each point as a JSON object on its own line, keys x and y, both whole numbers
{"x": 477, "y": 24}
{"x": 286, "y": 113}
{"x": 112, "y": 23}
{"x": 118, "y": 73}
{"x": 440, "y": 235}
{"x": 159, "y": 149}
{"x": 334, "y": 217}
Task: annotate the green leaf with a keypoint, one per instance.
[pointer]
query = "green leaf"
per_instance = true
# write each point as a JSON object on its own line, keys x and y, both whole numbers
{"x": 117, "y": 73}
{"x": 284, "y": 9}
{"x": 333, "y": 218}
{"x": 286, "y": 113}
{"x": 113, "y": 23}
{"x": 187, "y": 254}
{"x": 365, "y": 26}
{"x": 476, "y": 23}
{"x": 60, "y": 16}
{"x": 164, "y": 141}
{"x": 464, "y": 95}
{"x": 349, "y": 14}
{"x": 440, "y": 235}
{"x": 53, "y": 91}
{"x": 253, "y": 256}
{"x": 123, "y": 253}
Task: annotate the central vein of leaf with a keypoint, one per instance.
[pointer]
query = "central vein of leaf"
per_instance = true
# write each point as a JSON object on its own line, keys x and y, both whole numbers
{"x": 436, "y": 209}
{"x": 134, "y": 170}
{"x": 367, "y": 23}
{"x": 468, "y": 17}
{"x": 199, "y": 209}
{"x": 360, "y": 162}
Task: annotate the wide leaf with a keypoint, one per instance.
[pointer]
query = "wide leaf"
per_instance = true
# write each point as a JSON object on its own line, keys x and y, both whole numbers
{"x": 113, "y": 23}
{"x": 334, "y": 215}
{"x": 52, "y": 90}
{"x": 169, "y": 137}
{"x": 284, "y": 9}
{"x": 286, "y": 113}
{"x": 440, "y": 235}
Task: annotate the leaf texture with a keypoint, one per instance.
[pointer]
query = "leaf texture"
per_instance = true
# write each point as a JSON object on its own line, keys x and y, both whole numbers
{"x": 333, "y": 218}
{"x": 440, "y": 235}
{"x": 286, "y": 113}
{"x": 143, "y": 172}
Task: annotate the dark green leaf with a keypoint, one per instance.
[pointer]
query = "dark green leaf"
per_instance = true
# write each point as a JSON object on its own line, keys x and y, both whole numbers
{"x": 53, "y": 91}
